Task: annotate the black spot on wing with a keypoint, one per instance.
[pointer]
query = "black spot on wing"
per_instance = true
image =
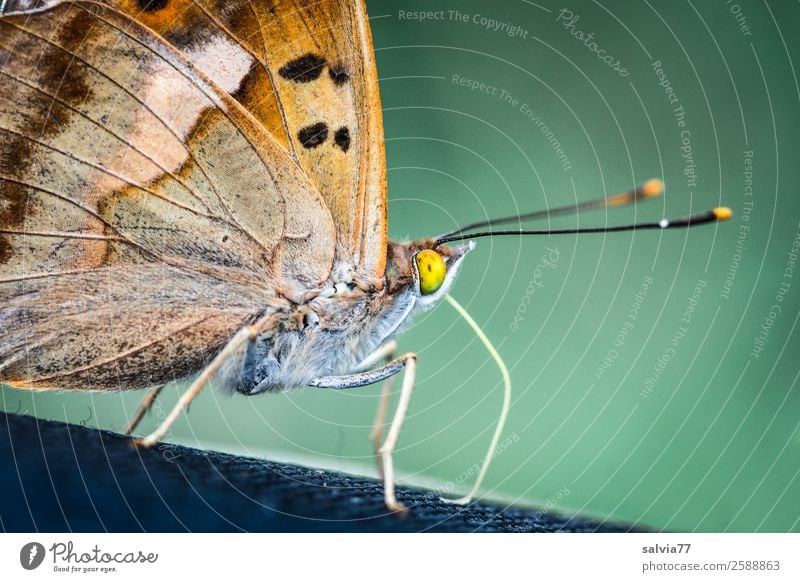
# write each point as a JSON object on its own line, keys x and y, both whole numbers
{"x": 152, "y": 5}
{"x": 302, "y": 69}
{"x": 338, "y": 74}
{"x": 342, "y": 138}
{"x": 313, "y": 135}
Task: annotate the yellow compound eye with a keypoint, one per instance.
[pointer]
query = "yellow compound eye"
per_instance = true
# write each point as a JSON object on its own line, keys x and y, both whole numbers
{"x": 431, "y": 269}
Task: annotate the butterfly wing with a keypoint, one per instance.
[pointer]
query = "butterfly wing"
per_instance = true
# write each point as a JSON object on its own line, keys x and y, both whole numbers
{"x": 327, "y": 80}
{"x": 144, "y": 215}
{"x": 306, "y": 70}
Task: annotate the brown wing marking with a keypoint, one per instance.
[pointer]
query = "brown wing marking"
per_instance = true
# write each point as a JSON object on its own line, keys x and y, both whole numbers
{"x": 327, "y": 82}
{"x": 143, "y": 213}
{"x": 306, "y": 71}
{"x": 117, "y": 328}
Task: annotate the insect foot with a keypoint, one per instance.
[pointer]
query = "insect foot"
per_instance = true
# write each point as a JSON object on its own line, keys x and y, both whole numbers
{"x": 142, "y": 443}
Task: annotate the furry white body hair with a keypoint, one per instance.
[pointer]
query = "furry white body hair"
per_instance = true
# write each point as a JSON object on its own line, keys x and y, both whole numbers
{"x": 330, "y": 335}
{"x": 326, "y": 343}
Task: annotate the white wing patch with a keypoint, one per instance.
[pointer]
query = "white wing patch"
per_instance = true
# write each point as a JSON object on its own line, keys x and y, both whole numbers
{"x": 222, "y": 60}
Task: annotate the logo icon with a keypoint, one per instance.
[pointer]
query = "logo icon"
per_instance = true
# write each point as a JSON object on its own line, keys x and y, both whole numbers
{"x": 31, "y": 555}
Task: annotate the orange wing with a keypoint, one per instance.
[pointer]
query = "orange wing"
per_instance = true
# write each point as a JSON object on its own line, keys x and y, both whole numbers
{"x": 144, "y": 214}
{"x": 306, "y": 70}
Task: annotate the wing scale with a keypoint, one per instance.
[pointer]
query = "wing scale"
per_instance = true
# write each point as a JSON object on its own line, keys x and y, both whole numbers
{"x": 144, "y": 212}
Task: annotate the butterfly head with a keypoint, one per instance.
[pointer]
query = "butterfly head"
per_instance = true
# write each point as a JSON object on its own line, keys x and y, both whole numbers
{"x": 425, "y": 268}
{"x": 422, "y": 272}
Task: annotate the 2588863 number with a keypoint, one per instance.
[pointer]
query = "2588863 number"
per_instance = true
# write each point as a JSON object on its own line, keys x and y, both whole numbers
{"x": 756, "y": 565}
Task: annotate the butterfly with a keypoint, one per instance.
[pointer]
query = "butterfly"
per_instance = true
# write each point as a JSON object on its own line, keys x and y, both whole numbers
{"x": 198, "y": 187}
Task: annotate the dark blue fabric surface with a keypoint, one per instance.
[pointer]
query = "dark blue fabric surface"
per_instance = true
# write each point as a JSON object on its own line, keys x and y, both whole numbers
{"x": 56, "y": 477}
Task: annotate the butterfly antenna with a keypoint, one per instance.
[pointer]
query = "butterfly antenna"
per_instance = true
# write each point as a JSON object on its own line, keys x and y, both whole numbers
{"x": 650, "y": 189}
{"x": 501, "y": 421}
{"x": 715, "y": 215}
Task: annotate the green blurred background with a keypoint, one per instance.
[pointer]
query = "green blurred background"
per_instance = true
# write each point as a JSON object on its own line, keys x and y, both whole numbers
{"x": 633, "y": 400}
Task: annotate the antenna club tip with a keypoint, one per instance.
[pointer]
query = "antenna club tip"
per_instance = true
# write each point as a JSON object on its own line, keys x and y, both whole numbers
{"x": 722, "y": 213}
{"x": 652, "y": 188}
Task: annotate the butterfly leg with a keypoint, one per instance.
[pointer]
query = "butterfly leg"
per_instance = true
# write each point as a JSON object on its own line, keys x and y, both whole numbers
{"x": 385, "y": 451}
{"x": 407, "y": 363}
{"x": 146, "y": 404}
{"x": 386, "y": 353}
{"x": 244, "y": 335}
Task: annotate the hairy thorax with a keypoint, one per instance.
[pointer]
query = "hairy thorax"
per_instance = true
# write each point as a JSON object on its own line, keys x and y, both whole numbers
{"x": 332, "y": 330}
{"x": 327, "y": 336}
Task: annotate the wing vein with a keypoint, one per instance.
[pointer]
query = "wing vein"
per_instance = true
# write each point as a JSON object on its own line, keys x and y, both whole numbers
{"x": 215, "y": 99}
{"x": 124, "y": 354}
{"x": 139, "y": 151}
{"x": 264, "y": 63}
{"x": 104, "y": 170}
{"x": 133, "y": 96}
